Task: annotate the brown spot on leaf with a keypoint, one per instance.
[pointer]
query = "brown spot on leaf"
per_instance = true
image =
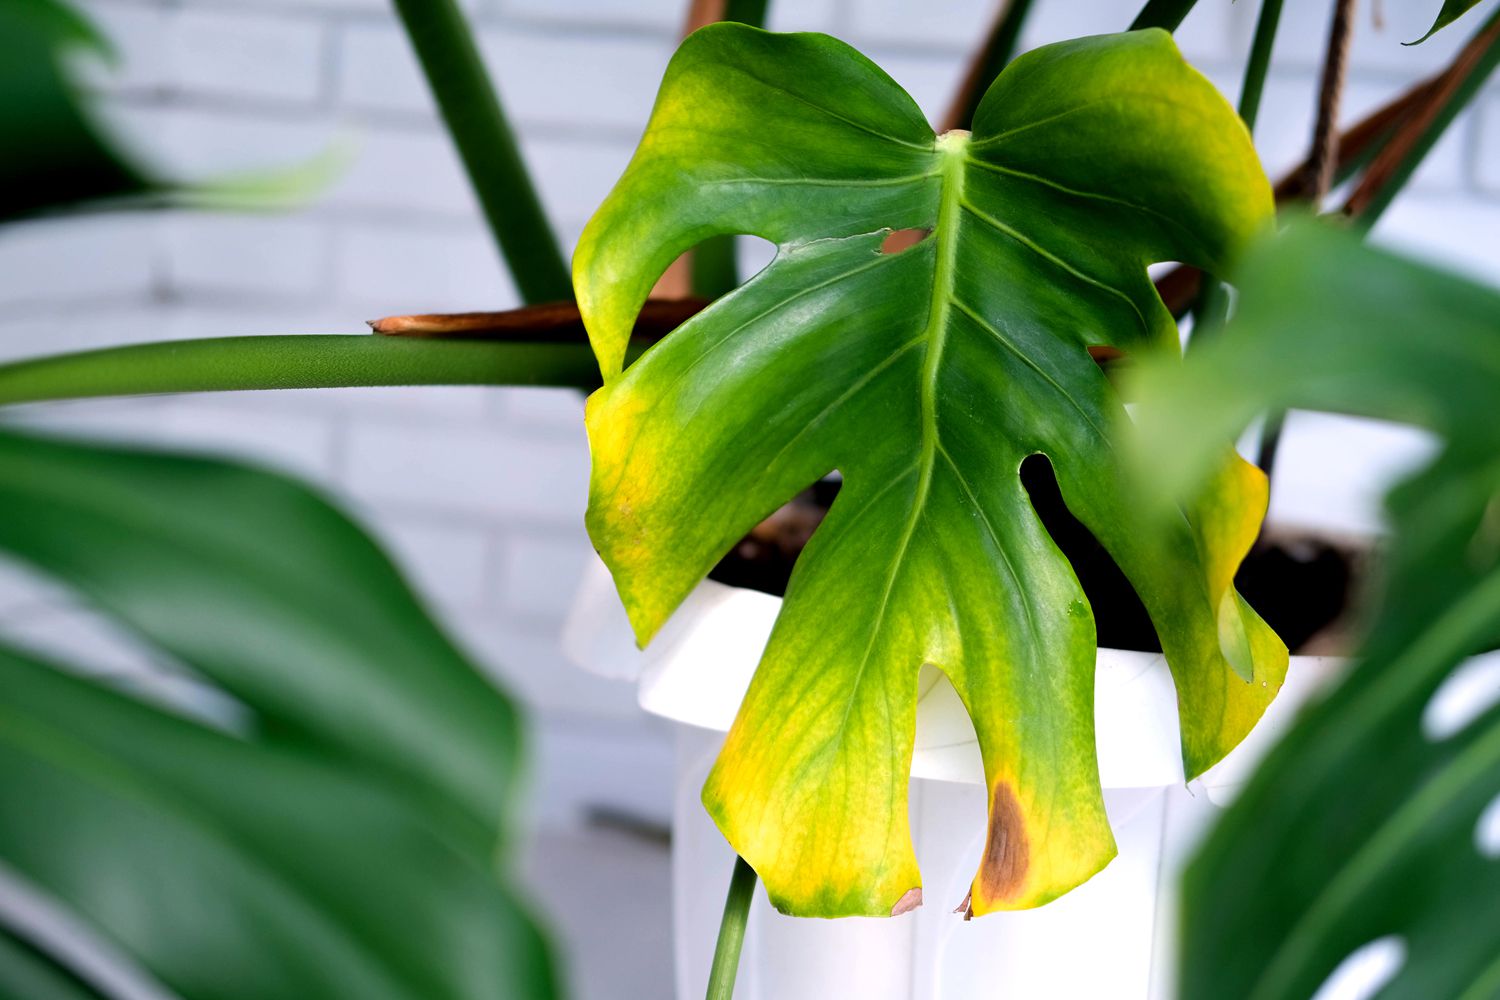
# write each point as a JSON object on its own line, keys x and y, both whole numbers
{"x": 902, "y": 239}
{"x": 1006, "y": 851}
{"x": 910, "y": 900}
{"x": 967, "y": 906}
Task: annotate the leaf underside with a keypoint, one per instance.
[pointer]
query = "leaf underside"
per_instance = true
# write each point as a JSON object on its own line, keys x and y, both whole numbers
{"x": 1363, "y": 822}
{"x": 925, "y": 377}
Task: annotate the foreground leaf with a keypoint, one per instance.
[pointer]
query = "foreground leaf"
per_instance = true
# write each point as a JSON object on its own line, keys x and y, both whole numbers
{"x": 269, "y": 592}
{"x": 1361, "y": 824}
{"x": 234, "y": 871}
{"x": 926, "y": 377}
{"x": 341, "y": 840}
{"x": 55, "y": 154}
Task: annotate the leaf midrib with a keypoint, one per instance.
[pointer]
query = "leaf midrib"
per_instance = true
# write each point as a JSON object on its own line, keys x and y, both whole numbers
{"x": 950, "y": 148}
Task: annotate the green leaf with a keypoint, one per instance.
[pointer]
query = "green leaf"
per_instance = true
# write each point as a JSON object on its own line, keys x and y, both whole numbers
{"x": 27, "y": 974}
{"x": 1361, "y": 824}
{"x": 55, "y": 153}
{"x": 237, "y": 871}
{"x": 262, "y": 587}
{"x": 925, "y": 377}
{"x": 1452, "y": 11}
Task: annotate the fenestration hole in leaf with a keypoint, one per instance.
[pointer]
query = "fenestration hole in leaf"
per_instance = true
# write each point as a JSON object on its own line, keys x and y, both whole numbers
{"x": 1119, "y": 615}
{"x": 1366, "y": 971}
{"x": 1466, "y": 694}
{"x": 898, "y": 240}
{"x": 1487, "y": 831}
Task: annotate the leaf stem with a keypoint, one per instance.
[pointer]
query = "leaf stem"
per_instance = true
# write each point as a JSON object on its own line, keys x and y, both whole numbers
{"x": 471, "y": 108}
{"x": 1211, "y": 308}
{"x": 715, "y": 262}
{"x": 1392, "y": 170}
{"x": 1166, "y": 14}
{"x": 732, "y": 931}
{"x": 295, "y": 362}
{"x": 1259, "y": 62}
{"x": 991, "y": 58}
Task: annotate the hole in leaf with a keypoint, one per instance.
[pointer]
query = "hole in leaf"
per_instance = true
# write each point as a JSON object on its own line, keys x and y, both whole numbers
{"x": 898, "y": 240}
{"x": 1487, "y": 831}
{"x": 1119, "y": 615}
{"x": 1366, "y": 971}
{"x": 1467, "y": 693}
{"x": 755, "y": 255}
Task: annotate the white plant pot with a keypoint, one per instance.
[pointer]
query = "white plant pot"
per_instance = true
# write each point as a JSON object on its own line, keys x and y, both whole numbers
{"x": 1110, "y": 937}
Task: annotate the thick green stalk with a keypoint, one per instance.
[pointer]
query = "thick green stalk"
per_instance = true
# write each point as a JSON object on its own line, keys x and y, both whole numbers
{"x": 998, "y": 51}
{"x": 1162, "y": 14}
{"x": 715, "y": 263}
{"x": 732, "y": 932}
{"x": 471, "y": 108}
{"x": 1211, "y": 309}
{"x": 1460, "y": 98}
{"x": 295, "y": 362}
{"x": 1259, "y": 62}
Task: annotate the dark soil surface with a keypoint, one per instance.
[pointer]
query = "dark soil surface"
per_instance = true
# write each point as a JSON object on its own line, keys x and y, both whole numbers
{"x": 1302, "y": 586}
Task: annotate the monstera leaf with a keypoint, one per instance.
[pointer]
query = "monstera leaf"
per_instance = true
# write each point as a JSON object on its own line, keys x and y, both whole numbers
{"x": 925, "y": 377}
{"x": 339, "y": 836}
{"x": 1365, "y": 822}
{"x": 1452, "y": 11}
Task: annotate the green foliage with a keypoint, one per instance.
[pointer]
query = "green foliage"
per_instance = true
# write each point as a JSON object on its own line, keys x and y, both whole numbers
{"x": 54, "y": 153}
{"x": 1362, "y": 823}
{"x": 1452, "y": 10}
{"x": 339, "y": 838}
{"x": 926, "y": 377}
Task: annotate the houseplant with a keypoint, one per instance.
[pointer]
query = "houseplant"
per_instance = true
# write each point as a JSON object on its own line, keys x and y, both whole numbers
{"x": 298, "y": 361}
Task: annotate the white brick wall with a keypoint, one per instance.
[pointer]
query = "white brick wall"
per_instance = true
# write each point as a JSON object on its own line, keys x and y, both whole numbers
{"x": 479, "y": 492}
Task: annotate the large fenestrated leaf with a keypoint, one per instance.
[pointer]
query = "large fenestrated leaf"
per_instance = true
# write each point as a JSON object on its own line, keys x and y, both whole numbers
{"x": 343, "y": 839}
{"x": 1363, "y": 822}
{"x": 925, "y": 377}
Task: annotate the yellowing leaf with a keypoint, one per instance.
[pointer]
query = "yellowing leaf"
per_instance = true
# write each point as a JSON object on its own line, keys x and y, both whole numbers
{"x": 926, "y": 377}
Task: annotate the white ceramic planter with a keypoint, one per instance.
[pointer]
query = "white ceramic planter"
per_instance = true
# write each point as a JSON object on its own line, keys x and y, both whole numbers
{"x": 1109, "y": 938}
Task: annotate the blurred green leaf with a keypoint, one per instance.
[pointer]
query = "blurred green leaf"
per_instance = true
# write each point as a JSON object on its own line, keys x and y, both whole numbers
{"x": 236, "y": 870}
{"x": 260, "y": 585}
{"x": 1361, "y": 824}
{"x": 55, "y": 154}
{"x": 1451, "y": 11}
{"x": 27, "y": 974}
{"x": 342, "y": 843}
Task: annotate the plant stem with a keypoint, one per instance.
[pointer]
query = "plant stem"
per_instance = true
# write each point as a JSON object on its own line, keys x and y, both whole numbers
{"x": 1259, "y": 62}
{"x": 1166, "y": 14}
{"x": 732, "y": 931}
{"x": 1325, "y": 143}
{"x": 715, "y": 262}
{"x": 1476, "y": 63}
{"x": 992, "y": 57}
{"x": 295, "y": 362}
{"x": 471, "y": 108}
{"x": 1395, "y": 164}
{"x": 1211, "y": 308}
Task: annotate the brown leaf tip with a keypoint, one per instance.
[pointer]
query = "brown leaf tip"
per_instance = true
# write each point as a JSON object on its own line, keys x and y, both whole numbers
{"x": 1007, "y": 854}
{"x": 910, "y": 900}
